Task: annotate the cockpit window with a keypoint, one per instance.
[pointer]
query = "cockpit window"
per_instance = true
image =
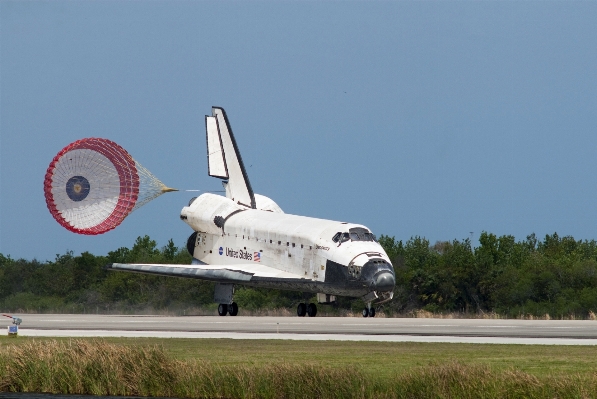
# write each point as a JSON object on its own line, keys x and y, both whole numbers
{"x": 341, "y": 237}
{"x": 337, "y": 237}
{"x": 355, "y": 234}
{"x": 361, "y": 234}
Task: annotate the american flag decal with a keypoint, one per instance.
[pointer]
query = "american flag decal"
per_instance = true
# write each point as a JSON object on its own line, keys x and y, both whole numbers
{"x": 257, "y": 256}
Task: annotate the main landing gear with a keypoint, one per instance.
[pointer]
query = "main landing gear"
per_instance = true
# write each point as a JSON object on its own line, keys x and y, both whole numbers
{"x": 224, "y": 294}
{"x": 303, "y": 309}
{"x": 231, "y": 309}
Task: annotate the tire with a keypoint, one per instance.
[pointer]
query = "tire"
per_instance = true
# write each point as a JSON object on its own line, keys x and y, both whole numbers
{"x": 222, "y": 309}
{"x": 233, "y": 309}
{"x": 312, "y": 310}
{"x": 372, "y": 312}
{"x": 365, "y": 312}
{"x": 301, "y": 310}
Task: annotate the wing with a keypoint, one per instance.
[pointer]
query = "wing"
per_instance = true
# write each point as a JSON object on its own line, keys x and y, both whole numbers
{"x": 241, "y": 273}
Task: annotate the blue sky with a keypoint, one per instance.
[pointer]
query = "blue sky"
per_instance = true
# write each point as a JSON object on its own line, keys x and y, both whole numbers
{"x": 435, "y": 119}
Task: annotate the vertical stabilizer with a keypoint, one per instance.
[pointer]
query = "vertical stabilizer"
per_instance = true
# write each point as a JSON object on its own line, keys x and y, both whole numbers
{"x": 216, "y": 163}
{"x": 224, "y": 160}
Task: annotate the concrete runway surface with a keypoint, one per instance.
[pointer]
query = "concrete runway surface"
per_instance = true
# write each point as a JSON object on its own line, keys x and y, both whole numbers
{"x": 550, "y": 332}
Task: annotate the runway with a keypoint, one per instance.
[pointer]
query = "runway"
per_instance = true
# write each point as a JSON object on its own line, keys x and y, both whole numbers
{"x": 548, "y": 332}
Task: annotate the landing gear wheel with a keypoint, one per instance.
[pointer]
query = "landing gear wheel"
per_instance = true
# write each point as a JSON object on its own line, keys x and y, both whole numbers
{"x": 301, "y": 310}
{"x": 372, "y": 312}
{"x": 312, "y": 310}
{"x": 365, "y": 312}
{"x": 222, "y": 309}
{"x": 233, "y": 309}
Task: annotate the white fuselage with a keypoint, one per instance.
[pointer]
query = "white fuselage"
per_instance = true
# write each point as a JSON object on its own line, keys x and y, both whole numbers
{"x": 299, "y": 245}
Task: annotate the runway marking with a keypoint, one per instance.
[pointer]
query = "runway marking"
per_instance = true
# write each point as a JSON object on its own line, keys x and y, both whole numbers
{"x": 439, "y": 325}
{"x": 495, "y": 327}
{"x": 530, "y": 327}
{"x": 307, "y": 337}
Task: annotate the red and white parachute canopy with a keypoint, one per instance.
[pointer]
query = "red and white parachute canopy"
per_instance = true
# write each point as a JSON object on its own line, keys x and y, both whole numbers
{"x": 93, "y": 184}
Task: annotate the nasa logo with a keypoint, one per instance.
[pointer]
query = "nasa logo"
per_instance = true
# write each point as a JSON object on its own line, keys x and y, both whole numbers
{"x": 221, "y": 251}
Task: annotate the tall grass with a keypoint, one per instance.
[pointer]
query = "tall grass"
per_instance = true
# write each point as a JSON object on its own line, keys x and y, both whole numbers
{"x": 100, "y": 368}
{"x": 457, "y": 380}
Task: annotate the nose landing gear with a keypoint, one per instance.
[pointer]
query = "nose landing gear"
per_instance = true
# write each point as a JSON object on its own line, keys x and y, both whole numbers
{"x": 369, "y": 311}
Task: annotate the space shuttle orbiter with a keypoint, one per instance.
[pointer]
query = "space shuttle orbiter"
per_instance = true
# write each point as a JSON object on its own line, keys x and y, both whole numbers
{"x": 246, "y": 239}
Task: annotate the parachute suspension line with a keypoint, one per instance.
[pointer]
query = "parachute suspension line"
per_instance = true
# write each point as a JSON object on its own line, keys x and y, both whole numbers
{"x": 150, "y": 187}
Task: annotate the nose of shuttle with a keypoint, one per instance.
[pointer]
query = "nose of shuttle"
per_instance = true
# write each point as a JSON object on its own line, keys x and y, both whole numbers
{"x": 379, "y": 275}
{"x": 385, "y": 281}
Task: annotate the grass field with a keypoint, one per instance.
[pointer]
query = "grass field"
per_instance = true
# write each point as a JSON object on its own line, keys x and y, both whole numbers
{"x": 375, "y": 358}
{"x": 377, "y": 369}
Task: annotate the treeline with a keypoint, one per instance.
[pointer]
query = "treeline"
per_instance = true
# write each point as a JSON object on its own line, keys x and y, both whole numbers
{"x": 556, "y": 276}
{"x": 81, "y": 284}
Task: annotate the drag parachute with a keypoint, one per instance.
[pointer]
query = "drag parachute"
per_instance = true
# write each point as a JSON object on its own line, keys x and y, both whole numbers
{"x": 92, "y": 184}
